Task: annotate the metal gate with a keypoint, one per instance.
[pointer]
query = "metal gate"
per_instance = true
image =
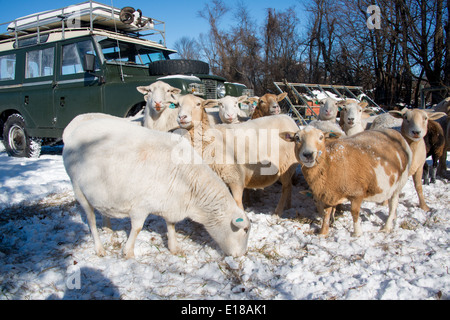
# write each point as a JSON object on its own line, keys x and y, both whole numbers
{"x": 303, "y": 97}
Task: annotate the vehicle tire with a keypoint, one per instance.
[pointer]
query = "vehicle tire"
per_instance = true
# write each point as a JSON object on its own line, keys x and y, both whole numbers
{"x": 171, "y": 67}
{"x": 16, "y": 139}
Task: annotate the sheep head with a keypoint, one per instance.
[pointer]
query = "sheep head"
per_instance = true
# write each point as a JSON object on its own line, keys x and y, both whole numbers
{"x": 352, "y": 112}
{"x": 268, "y": 105}
{"x": 415, "y": 122}
{"x": 191, "y": 110}
{"x": 329, "y": 110}
{"x": 309, "y": 144}
{"x": 229, "y": 109}
{"x": 159, "y": 95}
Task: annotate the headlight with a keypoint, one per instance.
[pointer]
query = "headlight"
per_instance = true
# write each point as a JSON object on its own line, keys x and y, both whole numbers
{"x": 220, "y": 90}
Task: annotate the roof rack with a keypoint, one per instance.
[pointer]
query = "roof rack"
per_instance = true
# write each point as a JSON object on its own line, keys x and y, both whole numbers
{"x": 89, "y": 14}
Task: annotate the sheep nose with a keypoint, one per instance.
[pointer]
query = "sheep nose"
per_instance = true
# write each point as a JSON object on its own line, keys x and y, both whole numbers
{"x": 182, "y": 117}
{"x": 308, "y": 155}
{"x": 416, "y": 133}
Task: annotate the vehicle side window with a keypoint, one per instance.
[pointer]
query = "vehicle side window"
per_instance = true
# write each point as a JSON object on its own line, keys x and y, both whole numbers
{"x": 72, "y": 61}
{"x": 39, "y": 63}
{"x": 8, "y": 67}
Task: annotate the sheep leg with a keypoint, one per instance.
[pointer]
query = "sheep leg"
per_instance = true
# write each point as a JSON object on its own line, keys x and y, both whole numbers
{"x": 285, "y": 199}
{"x": 90, "y": 215}
{"x": 426, "y": 174}
{"x": 355, "y": 208}
{"x": 417, "y": 178}
{"x": 237, "y": 191}
{"x": 137, "y": 222}
{"x": 393, "y": 203}
{"x": 434, "y": 169}
{"x": 326, "y": 212}
{"x": 172, "y": 238}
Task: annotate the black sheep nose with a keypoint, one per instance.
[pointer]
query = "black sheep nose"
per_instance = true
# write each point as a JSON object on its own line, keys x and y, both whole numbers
{"x": 308, "y": 155}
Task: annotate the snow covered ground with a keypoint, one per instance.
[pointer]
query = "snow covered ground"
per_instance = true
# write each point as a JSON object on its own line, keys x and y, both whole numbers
{"x": 46, "y": 251}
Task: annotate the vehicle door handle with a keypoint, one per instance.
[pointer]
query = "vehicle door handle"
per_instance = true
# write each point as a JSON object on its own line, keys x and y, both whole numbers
{"x": 62, "y": 101}
{"x": 26, "y": 100}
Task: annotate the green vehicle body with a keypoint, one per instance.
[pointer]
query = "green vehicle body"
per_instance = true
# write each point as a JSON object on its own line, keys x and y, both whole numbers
{"x": 49, "y": 101}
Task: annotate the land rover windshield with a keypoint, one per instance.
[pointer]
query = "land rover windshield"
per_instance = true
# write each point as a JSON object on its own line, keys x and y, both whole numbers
{"x": 130, "y": 53}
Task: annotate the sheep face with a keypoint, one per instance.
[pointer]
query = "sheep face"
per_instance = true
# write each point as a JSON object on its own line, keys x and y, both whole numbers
{"x": 309, "y": 144}
{"x": 190, "y": 110}
{"x": 353, "y": 113}
{"x": 329, "y": 110}
{"x": 233, "y": 237}
{"x": 415, "y": 122}
{"x": 159, "y": 95}
{"x": 268, "y": 103}
{"x": 229, "y": 108}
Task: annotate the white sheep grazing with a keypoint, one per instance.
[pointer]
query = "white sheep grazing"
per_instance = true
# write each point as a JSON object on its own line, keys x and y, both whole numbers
{"x": 160, "y": 113}
{"x": 369, "y": 166}
{"x": 414, "y": 128}
{"x": 351, "y": 116}
{"x": 124, "y": 170}
{"x": 245, "y": 155}
{"x": 329, "y": 110}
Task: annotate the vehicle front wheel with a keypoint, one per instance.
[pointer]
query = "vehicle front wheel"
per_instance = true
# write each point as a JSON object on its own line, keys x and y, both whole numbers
{"x": 16, "y": 140}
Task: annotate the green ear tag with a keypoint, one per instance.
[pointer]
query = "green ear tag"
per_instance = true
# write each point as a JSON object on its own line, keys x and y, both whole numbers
{"x": 172, "y": 106}
{"x": 239, "y": 220}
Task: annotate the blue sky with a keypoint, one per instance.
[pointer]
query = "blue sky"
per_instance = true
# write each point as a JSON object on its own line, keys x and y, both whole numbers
{"x": 180, "y": 16}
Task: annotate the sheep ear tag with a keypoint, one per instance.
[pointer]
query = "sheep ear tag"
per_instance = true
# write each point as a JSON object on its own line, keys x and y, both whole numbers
{"x": 239, "y": 220}
{"x": 172, "y": 106}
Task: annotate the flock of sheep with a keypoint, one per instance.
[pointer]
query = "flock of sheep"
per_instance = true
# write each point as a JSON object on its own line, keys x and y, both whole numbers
{"x": 180, "y": 158}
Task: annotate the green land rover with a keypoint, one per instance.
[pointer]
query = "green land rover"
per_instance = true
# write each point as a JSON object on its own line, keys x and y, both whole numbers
{"x": 89, "y": 57}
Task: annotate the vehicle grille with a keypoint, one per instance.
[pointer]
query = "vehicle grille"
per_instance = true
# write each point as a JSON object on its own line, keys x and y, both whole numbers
{"x": 211, "y": 88}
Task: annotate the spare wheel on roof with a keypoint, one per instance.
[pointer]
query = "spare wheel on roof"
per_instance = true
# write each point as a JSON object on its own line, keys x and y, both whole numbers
{"x": 180, "y": 66}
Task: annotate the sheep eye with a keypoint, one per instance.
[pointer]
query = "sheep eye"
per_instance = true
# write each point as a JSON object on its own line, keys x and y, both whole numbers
{"x": 321, "y": 137}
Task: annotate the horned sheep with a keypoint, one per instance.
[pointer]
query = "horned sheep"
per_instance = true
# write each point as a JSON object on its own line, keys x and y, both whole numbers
{"x": 245, "y": 155}
{"x": 124, "y": 170}
{"x": 369, "y": 166}
{"x": 160, "y": 112}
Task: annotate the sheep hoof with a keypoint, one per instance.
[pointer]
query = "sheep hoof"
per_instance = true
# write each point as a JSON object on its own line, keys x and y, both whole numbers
{"x": 386, "y": 229}
{"x": 101, "y": 252}
{"x": 424, "y": 207}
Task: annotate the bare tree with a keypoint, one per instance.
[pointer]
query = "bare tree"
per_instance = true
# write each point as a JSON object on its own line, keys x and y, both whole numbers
{"x": 187, "y": 48}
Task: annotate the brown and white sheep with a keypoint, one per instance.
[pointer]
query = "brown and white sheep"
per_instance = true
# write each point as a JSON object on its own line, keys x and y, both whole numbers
{"x": 245, "y": 155}
{"x": 414, "y": 128}
{"x": 369, "y": 166}
{"x": 268, "y": 105}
